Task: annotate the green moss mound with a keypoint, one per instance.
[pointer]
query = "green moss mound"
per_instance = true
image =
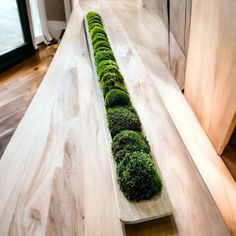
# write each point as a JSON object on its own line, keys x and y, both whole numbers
{"x": 138, "y": 177}
{"x": 94, "y": 21}
{"x": 101, "y": 44}
{"x": 122, "y": 118}
{"x": 93, "y": 15}
{"x": 103, "y": 55}
{"x": 112, "y": 84}
{"x": 106, "y": 63}
{"x": 136, "y": 171}
{"x": 98, "y": 37}
{"x": 97, "y": 30}
{"x": 111, "y": 76}
{"x": 109, "y": 69}
{"x": 95, "y": 24}
{"x": 128, "y": 141}
{"x": 116, "y": 97}
{"x": 97, "y": 27}
{"x": 102, "y": 49}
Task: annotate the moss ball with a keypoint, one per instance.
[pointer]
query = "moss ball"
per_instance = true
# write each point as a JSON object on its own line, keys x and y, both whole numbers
{"x": 116, "y": 97}
{"x": 98, "y": 37}
{"x": 138, "y": 177}
{"x": 94, "y": 20}
{"x": 109, "y": 69}
{"x": 94, "y": 24}
{"x": 111, "y": 76}
{"x": 104, "y": 55}
{"x": 101, "y": 44}
{"x": 97, "y": 30}
{"x": 106, "y": 63}
{"x": 128, "y": 141}
{"x": 104, "y": 49}
{"x": 112, "y": 84}
{"x": 122, "y": 118}
{"x": 93, "y": 15}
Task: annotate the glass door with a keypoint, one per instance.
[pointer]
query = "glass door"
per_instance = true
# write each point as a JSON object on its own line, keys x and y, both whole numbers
{"x": 15, "y": 36}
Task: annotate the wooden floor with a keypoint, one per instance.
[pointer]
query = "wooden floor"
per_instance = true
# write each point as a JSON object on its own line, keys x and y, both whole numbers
{"x": 17, "y": 88}
{"x": 55, "y": 172}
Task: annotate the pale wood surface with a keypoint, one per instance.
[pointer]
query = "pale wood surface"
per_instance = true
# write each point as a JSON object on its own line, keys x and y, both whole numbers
{"x": 55, "y": 172}
{"x": 167, "y": 152}
{"x": 176, "y": 22}
{"x": 176, "y": 19}
{"x": 48, "y": 172}
{"x": 210, "y": 85}
{"x": 211, "y": 167}
{"x": 180, "y": 15}
{"x": 130, "y": 212}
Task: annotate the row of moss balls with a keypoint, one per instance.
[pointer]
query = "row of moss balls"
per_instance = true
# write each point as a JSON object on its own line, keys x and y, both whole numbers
{"x": 136, "y": 172}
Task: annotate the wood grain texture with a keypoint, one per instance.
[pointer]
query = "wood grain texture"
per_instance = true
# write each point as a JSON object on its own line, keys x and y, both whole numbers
{"x": 55, "y": 172}
{"x": 172, "y": 156}
{"x": 48, "y": 180}
{"x": 17, "y": 88}
{"x": 210, "y": 85}
{"x": 155, "y": 36}
{"x": 176, "y": 20}
{"x": 130, "y": 212}
{"x": 180, "y": 15}
{"x": 196, "y": 141}
{"x": 211, "y": 167}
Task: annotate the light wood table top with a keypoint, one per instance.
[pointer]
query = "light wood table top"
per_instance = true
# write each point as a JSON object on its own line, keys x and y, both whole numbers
{"x": 208, "y": 163}
{"x": 55, "y": 173}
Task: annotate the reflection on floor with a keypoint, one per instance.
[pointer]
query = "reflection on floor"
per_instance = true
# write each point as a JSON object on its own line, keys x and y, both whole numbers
{"x": 17, "y": 88}
{"x": 11, "y": 34}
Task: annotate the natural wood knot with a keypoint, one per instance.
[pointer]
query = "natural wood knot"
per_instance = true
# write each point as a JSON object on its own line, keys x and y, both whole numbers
{"x": 35, "y": 214}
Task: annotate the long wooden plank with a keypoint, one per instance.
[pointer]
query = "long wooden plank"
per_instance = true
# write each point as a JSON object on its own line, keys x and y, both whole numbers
{"x": 173, "y": 26}
{"x": 184, "y": 184}
{"x": 55, "y": 176}
{"x": 180, "y": 15}
{"x": 131, "y": 212}
{"x": 209, "y": 164}
{"x": 210, "y": 86}
{"x": 51, "y": 185}
{"x": 211, "y": 167}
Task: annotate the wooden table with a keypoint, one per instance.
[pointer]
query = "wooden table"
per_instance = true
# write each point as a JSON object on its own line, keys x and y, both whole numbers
{"x": 55, "y": 176}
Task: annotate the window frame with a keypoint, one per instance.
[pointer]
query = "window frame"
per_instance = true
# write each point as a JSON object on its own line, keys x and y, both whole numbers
{"x": 25, "y": 50}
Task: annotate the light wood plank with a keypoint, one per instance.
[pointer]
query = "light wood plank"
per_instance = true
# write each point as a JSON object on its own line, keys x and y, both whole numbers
{"x": 211, "y": 167}
{"x": 208, "y": 163}
{"x": 210, "y": 85}
{"x": 180, "y": 15}
{"x": 49, "y": 174}
{"x": 130, "y": 212}
{"x": 176, "y": 27}
{"x": 175, "y": 162}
